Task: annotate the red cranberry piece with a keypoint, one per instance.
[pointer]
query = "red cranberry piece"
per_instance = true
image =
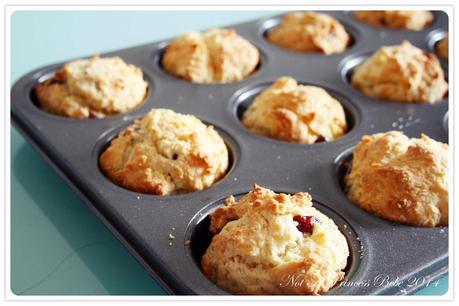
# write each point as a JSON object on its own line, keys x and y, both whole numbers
{"x": 321, "y": 138}
{"x": 306, "y": 223}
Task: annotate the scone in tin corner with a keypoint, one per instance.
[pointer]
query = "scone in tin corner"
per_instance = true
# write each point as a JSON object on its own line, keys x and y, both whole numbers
{"x": 298, "y": 113}
{"x": 166, "y": 153}
{"x": 310, "y": 32}
{"x": 442, "y": 48}
{"x": 401, "y": 73}
{"x": 93, "y": 88}
{"x": 214, "y": 56}
{"x": 402, "y": 20}
{"x": 401, "y": 179}
{"x": 265, "y": 239}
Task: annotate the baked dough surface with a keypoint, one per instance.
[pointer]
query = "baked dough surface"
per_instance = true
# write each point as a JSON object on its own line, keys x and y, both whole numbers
{"x": 166, "y": 153}
{"x": 442, "y": 48}
{"x": 401, "y": 73}
{"x": 258, "y": 249}
{"x": 215, "y": 56}
{"x": 310, "y": 32}
{"x": 401, "y": 179}
{"x": 296, "y": 113}
{"x": 408, "y": 20}
{"x": 95, "y": 87}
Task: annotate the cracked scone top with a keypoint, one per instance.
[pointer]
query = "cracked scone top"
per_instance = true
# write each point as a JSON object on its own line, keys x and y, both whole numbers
{"x": 401, "y": 179}
{"x": 408, "y": 20}
{"x": 259, "y": 248}
{"x": 297, "y": 113}
{"x": 214, "y": 56}
{"x": 95, "y": 87}
{"x": 166, "y": 153}
{"x": 310, "y": 32}
{"x": 401, "y": 73}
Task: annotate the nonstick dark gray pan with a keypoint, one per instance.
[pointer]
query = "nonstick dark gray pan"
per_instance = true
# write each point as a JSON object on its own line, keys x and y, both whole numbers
{"x": 412, "y": 255}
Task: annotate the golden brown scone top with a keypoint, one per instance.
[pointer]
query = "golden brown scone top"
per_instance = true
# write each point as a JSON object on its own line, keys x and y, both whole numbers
{"x": 401, "y": 179}
{"x": 166, "y": 153}
{"x": 442, "y": 48}
{"x": 297, "y": 113}
{"x": 401, "y": 73}
{"x": 310, "y": 32}
{"x": 409, "y": 20}
{"x": 95, "y": 87}
{"x": 215, "y": 56}
{"x": 258, "y": 248}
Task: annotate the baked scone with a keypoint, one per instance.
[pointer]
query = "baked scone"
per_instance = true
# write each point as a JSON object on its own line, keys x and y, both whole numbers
{"x": 297, "y": 113}
{"x": 95, "y": 87}
{"x": 269, "y": 243}
{"x": 401, "y": 73}
{"x": 166, "y": 153}
{"x": 310, "y": 32}
{"x": 215, "y": 56}
{"x": 401, "y": 179}
{"x": 442, "y": 47}
{"x": 409, "y": 20}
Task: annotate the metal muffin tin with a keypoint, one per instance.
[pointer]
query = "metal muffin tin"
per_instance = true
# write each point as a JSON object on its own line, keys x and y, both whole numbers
{"x": 410, "y": 256}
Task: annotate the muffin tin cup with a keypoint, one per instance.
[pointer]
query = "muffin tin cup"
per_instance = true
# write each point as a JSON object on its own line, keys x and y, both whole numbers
{"x": 199, "y": 237}
{"x": 412, "y": 256}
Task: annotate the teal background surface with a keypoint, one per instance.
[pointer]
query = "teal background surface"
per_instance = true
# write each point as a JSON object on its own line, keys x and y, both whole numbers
{"x": 58, "y": 247}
